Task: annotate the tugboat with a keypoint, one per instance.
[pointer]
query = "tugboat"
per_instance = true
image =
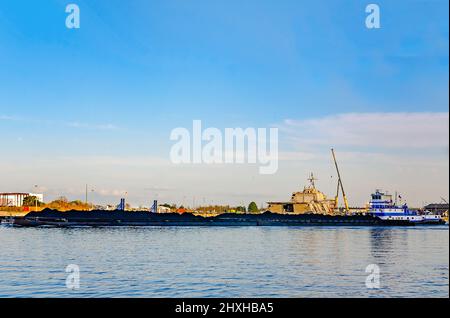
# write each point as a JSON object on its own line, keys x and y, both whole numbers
{"x": 382, "y": 206}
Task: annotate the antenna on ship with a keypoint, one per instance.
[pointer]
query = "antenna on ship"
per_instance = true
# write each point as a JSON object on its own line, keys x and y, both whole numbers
{"x": 154, "y": 207}
{"x": 339, "y": 183}
{"x": 311, "y": 180}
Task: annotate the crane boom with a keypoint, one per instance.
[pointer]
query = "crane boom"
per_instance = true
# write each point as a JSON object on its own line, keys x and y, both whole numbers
{"x": 336, "y": 198}
{"x": 340, "y": 181}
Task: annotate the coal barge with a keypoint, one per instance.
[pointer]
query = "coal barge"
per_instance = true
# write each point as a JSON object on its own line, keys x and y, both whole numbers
{"x": 98, "y": 218}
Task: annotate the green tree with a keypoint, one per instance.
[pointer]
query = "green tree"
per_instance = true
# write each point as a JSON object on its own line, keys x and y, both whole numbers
{"x": 31, "y": 201}
{"x": 62, "y": 199}
{"x": 76, "y": 202}
{"x": 252, "y": 207}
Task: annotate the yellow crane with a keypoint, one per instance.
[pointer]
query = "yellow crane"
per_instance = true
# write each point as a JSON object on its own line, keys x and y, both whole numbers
{"x": 339, "y": 185}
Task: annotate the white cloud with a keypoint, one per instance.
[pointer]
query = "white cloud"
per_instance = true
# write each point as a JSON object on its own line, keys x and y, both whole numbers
{"x": 6, "y": 117}
{"x": 71, "y": 124}
{"x": 91, "y": 126}
{"x": 111, "y": 192}
{"x": 370, "y": 130}
{"x": 296, "y": 156}
{"x": 110, "y": 160}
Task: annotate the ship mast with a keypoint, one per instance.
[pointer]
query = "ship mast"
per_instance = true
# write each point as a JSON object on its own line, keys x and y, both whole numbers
{"x": 311, "y": 181}
{"x": 339, "y": 183}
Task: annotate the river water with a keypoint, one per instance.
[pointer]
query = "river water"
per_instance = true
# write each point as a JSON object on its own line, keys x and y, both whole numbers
{"x": 224, "y": 262}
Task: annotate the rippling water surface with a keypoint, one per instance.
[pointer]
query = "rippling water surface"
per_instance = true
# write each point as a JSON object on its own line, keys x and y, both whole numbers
{"x": 225, "y": 261}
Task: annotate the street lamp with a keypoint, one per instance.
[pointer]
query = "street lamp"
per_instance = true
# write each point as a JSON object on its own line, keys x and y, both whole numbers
{"x": 86, "y": 202}
{"x": 35, "y": 196}
{"x": 92, "y": 203}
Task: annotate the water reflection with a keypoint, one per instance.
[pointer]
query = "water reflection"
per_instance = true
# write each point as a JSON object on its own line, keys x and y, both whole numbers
{"x": 386, "y": 242}
{"x": 224, "y": 262}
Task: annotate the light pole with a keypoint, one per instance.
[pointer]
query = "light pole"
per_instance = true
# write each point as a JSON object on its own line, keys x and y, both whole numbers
{"x": 92, "y": 204}
{"x": 86, "y": 198}
{"x": 35, "y": 196}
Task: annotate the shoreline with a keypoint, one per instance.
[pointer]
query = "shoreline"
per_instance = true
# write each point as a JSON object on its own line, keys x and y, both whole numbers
{"x": 97, "y": 218}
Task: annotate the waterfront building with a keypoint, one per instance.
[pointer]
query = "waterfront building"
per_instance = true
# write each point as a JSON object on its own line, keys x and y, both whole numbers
{"x": 437, "y": 208}
{"x": 16, "y": 199}
{"x": 163, "y": 209}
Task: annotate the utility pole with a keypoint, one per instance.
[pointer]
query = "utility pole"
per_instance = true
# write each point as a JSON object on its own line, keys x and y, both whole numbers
{"x": 92, "y": 204}
{"x": 35, "y": 196}
{"x": 86, "y": 197}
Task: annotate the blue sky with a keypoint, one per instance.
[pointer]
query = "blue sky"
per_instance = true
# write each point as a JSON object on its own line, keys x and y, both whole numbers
{"x": 137, "y": 69}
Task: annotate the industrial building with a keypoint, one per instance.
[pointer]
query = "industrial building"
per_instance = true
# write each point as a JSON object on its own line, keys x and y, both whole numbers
{"x": 437, "y": 208}
{"x": 16, "y": 199}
